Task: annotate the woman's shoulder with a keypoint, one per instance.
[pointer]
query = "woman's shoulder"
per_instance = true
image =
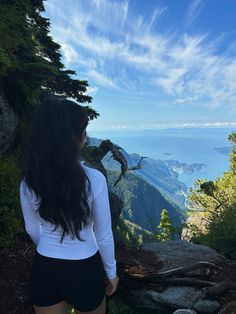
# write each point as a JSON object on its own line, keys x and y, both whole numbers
{"x": 25, "y": 191}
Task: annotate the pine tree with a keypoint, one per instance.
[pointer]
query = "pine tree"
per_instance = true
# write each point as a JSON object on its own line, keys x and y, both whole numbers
{"x": 165, "y": 229}
{"x": 30, "y": 61}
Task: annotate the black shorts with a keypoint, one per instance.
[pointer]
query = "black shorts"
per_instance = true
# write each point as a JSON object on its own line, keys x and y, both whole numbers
{"x": 79, "y": 282}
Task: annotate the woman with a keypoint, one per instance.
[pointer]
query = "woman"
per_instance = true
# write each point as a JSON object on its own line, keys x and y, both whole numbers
{"x": 66, "y": 213}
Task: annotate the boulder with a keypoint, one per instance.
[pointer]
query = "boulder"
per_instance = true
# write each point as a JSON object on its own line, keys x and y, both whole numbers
{"x": 173, "y": 298}
{"x": 172, "y": 255}
{"x": 180, "y": 253}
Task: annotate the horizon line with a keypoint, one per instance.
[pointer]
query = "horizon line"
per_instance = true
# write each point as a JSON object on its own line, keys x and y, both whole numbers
{"x": 128, "y": 128}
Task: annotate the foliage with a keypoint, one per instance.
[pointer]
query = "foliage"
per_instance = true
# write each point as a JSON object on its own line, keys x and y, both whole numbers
{"x": 30, "y": 61}
{"x": 212, "y": 210}
{"x": 130, "y": 234}
{"x": 10, "y": 211}
{"x": 30, "y": 67}
{"x": 141, "y": 199}
{"x": 221, "y": 233}
{"x": 165, "y": 230}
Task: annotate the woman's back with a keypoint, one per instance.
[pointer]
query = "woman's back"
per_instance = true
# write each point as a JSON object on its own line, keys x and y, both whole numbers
{"x": 66, "y": 210}
{"x": 97, "y": 234}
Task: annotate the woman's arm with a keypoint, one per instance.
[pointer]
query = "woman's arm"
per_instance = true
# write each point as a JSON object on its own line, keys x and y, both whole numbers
{"x": 102, "y": 226}
{"x": 31, "y": 217}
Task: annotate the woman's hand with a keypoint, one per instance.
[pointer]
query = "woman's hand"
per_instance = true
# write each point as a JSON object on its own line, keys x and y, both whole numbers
{"x": 111, "y": 285}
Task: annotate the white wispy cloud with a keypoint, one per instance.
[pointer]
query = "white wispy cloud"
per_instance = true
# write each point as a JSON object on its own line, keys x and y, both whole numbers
{"x": 101, "y": 79}
{"x": 69, "y": 53}
{"x": 193, "y": 11}
{"x": 105, "y": 39}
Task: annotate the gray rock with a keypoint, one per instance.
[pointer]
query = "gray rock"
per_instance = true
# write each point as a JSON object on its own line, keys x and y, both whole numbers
{"x": 206, "y": 306}
{"x": 179, "y": 253}
{"x": 174, "y": 297}
{"x": 142, "y": 298}
{"x": 174, "y": 254}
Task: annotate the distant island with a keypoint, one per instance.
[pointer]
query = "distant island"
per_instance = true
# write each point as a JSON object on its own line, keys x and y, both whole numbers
{"x": 223, "y": 150}
{"x": 166, "y": 153}
{"x": 180, "y": 167}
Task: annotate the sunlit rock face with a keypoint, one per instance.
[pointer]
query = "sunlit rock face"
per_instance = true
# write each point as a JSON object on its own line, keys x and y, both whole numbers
{"x": 8, "y": 125}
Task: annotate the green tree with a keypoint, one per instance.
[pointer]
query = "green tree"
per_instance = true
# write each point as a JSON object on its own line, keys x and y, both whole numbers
{"x": 30, "y": 60}
{"x": 165, "y": 229}
{"x": 30, "y": 68}
{"x": 212, "y": 209}
{"x": 10, "y": 213}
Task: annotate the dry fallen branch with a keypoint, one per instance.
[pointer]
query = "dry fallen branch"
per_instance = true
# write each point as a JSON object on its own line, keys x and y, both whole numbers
{"x": 153, "y": 275}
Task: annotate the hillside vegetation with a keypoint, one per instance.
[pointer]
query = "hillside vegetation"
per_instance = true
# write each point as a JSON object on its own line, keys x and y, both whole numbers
{"x": 143, "y": 203}
{"x": 212, "y": 209}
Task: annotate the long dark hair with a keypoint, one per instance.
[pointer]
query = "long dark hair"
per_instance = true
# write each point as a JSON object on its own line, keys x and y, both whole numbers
{"x": 51, "y": 167}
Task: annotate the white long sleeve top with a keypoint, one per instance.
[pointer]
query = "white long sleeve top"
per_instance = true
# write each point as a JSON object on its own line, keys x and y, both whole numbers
{"x": 98, "y": 234}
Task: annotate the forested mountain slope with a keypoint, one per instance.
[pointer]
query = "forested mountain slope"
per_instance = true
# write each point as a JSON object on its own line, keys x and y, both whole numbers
{"x": 143, "y": 203}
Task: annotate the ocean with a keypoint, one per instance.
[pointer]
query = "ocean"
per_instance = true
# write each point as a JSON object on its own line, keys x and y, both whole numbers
{"x": 188, "y": 145}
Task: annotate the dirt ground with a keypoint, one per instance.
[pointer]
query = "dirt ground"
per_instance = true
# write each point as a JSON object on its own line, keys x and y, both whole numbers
{"x": 15, "y": 265}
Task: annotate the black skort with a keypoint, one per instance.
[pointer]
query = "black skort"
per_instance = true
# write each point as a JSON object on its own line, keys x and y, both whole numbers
{"x": 79, "y": 282}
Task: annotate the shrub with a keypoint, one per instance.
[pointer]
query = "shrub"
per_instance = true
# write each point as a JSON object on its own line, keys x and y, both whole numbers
{"x": 10, "y": 210}
{"x": 221, "y": 233}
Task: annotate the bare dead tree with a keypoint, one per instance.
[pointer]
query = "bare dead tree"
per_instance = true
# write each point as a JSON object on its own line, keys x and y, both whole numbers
{"x": 94, "y": 156}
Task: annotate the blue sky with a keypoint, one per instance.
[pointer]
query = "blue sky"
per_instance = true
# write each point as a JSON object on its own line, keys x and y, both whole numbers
{"x": 151, "y": 64}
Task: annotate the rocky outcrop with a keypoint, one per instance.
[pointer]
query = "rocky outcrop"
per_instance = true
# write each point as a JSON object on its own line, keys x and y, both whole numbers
{"x": 182, "y": 276}
{"x": 180, "y": 253}
{"x": 9, "y": 123}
